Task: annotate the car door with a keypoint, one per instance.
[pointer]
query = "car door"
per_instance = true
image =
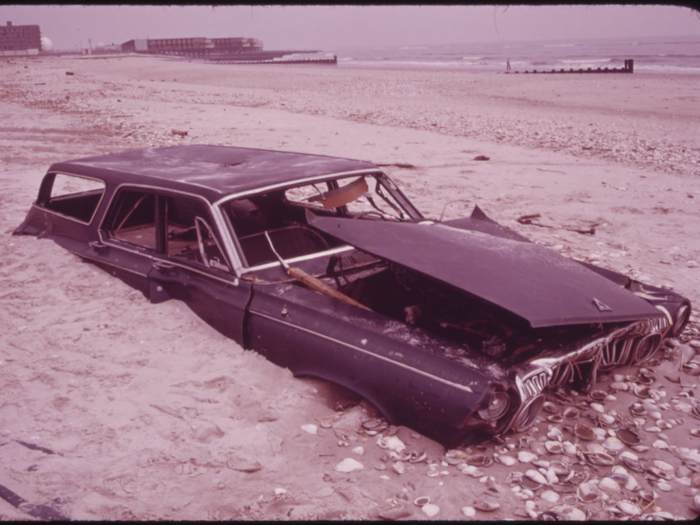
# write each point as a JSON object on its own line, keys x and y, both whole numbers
{"x": 190, "y": 264}
{"x": 128, "y": 237}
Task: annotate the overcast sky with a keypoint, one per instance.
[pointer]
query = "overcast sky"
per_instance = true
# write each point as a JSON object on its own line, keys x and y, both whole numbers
{"x": 328, "y": 27}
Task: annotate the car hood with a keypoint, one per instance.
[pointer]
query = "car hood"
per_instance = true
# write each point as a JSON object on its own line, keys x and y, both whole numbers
{"x": 532, "y": 282}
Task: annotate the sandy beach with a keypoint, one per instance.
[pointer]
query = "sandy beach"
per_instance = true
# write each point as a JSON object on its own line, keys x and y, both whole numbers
{"x": 139, "y": 411}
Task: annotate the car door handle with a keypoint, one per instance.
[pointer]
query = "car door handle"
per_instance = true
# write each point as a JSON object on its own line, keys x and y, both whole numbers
{"x": 163, "y": 265}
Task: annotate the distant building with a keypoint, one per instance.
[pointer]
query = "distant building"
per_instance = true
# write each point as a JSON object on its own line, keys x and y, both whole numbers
{"x": 199, "y": 47}
{"x": 20, "y": 40}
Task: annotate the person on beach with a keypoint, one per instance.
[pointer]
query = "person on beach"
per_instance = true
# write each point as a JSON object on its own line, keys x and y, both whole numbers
{"x": 508, "y": 65}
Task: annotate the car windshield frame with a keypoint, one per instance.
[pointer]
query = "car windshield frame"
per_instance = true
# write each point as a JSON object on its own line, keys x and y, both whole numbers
{"x": 334, "y": 181}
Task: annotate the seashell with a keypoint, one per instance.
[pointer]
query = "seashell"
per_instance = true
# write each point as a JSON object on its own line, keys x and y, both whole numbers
{"x": 479, "y": 460}
{"x": 584, "y": 432}
{"x": 541, "y": 463}
{"x": 647, "y": 496}
{"x": 525, "y": 441}
{"x": 571, "y": 413}
{"x": 598, "y": 407}
{"x": 472, "y": 471}
{"x": 570, "y": 513}
{"x": 560, "y": 468}
{"x": 660, "y": 444}
{"x": 607, "y": 420}
{"x": 646, "y": 376}
{"x": 587, "y": 492}
{"x": 349, "y": 465}
{"x": 549, "y": 407}
{"x": 600, "y": 458}
{"x": 555, "y": 418}
{"x": 613, "y": 444}
{"x": 667, "y": 467}
{"x": 526, "y": 457}
{"x": 469, "y": 512}
{"x": 569, "y": 449}
{"x": 609, "y": 484}
{"x": 537, "y": 448}
{"x": 555, "y": 433}
{"x": 391, "y": 443}
{"x": 456, "y": 453}
{"x": 628, "y": 508}
{"x": 662, "y": 485}
{"x": 551, "y": 476}
{"x": 640, "y": 448}
{"x": 508, "y": 461}
{"x": 550, "y": 496}
{"x": 598, "y": 395}
{"x": 554, "y": 447}
{"x": 595, "y": 447}
{"x": 486, "y": 506}
{"x": 664, "y": 425}
{"x": 659, "y": 473}
{"x": 620, "y": 386}
{"x": 423, "y": 500}
{"x": 696, "y": 503}
{"x": 430, "y": 510}
{"x": 578, "y": 477}
{"x": 529, "y": 484}
{"x": 416, "y": 457}
{"x": 638, "y": 409}
{"x": 376, "y": 424}
{"x": 536, "y": 476}
{"x": 642, "y": 391}
{"x": 628, "y": 437}
{"x": 563, "y": 488}
{"x": 399, "y": 467}
{"x": 695, "y": 432}
{"x": 692, "y": 465}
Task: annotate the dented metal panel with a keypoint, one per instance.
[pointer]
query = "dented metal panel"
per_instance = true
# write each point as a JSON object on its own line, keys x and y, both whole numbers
{"x": 535, "y": 283}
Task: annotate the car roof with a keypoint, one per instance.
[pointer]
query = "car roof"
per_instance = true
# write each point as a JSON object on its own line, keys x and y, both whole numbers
{"x": 213, "y": 172}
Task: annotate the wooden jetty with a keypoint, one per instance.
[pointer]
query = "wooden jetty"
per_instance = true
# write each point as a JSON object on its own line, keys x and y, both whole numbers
{"x": 628, "y": 68}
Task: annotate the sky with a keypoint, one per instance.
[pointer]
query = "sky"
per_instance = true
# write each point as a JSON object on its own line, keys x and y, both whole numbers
{"x": 331, "y": 27}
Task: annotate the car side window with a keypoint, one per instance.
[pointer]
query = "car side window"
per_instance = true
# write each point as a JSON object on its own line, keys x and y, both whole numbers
{"x": 133, "y": 219}
{"x": 189, "y": 234}
{"x": 72, "y": 196}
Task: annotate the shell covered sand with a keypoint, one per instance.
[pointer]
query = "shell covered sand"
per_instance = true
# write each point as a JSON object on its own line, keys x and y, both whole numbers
{"x": 115, "y": 408}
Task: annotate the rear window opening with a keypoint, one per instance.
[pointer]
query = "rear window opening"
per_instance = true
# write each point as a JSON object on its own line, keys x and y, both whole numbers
{"x": 72, "y": 196}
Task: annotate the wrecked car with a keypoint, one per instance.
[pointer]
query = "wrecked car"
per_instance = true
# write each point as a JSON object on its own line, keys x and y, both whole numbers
{"x": 321, "y": 264}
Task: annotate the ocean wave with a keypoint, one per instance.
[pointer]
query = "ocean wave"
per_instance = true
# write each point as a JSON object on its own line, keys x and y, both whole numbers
{"x": 586, "y": 60}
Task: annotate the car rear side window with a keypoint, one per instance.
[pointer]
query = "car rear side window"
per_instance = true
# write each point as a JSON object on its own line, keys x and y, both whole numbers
{"x": 132, "y": 218}
{"x": 72, "y": 196}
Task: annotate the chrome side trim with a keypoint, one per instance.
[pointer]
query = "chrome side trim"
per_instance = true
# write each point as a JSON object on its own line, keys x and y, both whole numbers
{"x": 298, "y": 182}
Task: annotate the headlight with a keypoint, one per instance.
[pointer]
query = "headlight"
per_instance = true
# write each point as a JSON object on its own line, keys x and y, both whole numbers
{"x": 498, "y": 406}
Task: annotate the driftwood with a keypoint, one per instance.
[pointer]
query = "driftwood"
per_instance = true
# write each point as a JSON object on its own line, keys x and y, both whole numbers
{"x": 527, "y": 219}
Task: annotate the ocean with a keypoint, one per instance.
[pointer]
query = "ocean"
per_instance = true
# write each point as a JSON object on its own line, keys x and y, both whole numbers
{"x": 651, "y": 55}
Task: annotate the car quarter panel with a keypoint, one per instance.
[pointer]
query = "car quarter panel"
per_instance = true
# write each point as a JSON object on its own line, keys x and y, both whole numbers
{"x": 400, "y": 369}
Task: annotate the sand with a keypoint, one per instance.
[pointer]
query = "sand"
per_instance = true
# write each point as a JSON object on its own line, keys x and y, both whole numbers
{"x": 151, "y": 414}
